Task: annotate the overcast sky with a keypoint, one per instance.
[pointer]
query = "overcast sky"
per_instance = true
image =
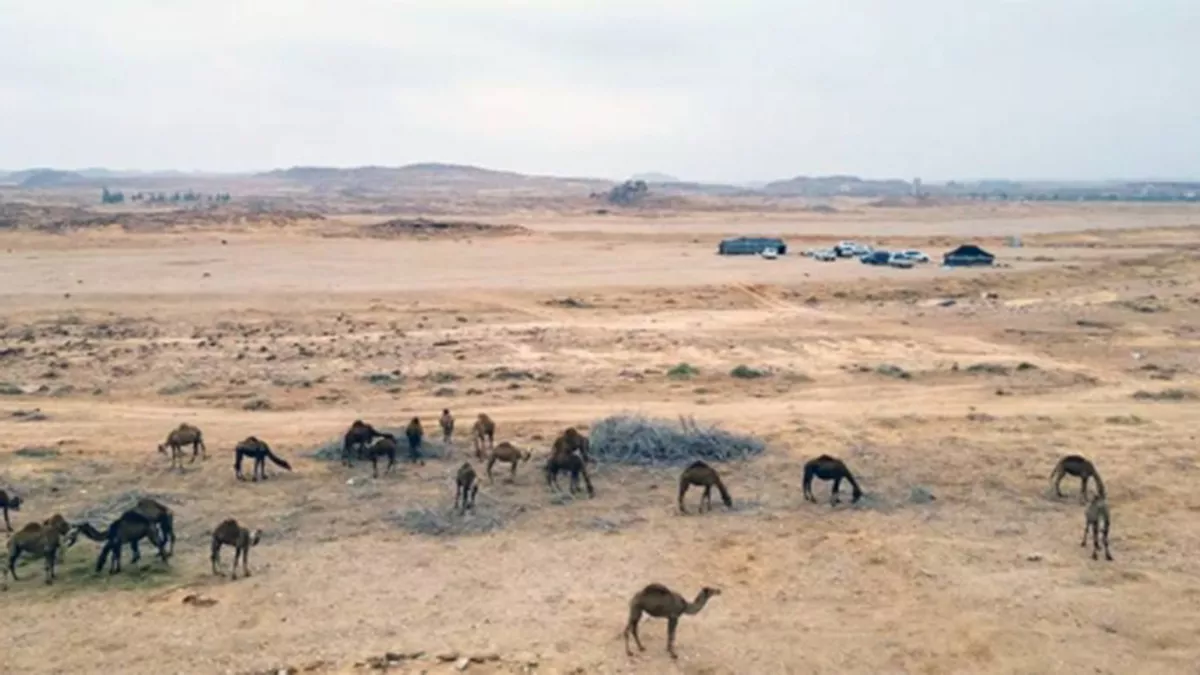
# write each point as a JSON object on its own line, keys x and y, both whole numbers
{"x": 722, "y": 90}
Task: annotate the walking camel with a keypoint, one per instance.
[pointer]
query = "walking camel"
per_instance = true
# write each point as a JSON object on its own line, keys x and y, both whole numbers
{"x": 242, "y": 539}
{"x": 484, "y": 430}
{"x": 663, "y": 603}
{"x": 509, "y": 453}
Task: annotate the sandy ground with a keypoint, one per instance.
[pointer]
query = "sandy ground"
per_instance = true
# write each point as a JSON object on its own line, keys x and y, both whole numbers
{"x": 114, "y": 339}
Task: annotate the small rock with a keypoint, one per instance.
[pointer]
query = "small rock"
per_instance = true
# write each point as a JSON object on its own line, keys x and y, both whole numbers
{"x": 462, "y": 663}
{"x": 485, "y": 657}
{"x": 1034, "y": 557}
{"x": 447, "y": 657}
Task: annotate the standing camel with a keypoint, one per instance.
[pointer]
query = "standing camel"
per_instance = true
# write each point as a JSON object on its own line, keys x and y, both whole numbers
{"x": 8, "y": 502}
{"x": 415, "y": 434}
{"x": 465, "y": 486}
{"x": 1081, "y": 467}
{"x": 229, "y": 533}
{"x": 663, "y": 603}
{"x": 447, "y": 422}
{"x": 829, "y": 468}
{"x": 484, "y": 430}
{"x": 1097, "y": 515}
{"x": 183, "y": 435}
{"x": 509, "y": 453}
{"x": 357, "y": 437}
{"x": 259, "y": 451}
{"x": 699, "y": 473}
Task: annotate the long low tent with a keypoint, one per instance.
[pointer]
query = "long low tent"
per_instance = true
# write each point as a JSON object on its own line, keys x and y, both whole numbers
{"x": 968, "y": 255}
{"x": 751, "y": 245}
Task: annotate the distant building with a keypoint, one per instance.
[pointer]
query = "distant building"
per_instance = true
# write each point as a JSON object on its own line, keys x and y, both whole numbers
{"x": 751, "y": 245}
{"x": 968, "y": 255}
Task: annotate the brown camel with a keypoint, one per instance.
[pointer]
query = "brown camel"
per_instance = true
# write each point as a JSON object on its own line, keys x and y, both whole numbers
{"x": 415, "y": 434}
{"x": 260, "y": 452}
{"x": 44, "y": 539}
{"x": 507, "y": 452}
{"x": 159, "y": 514}
{"x": 447, "y": 422}
{"x": 484, "y": 430}
{"x": 1097, "y": 515}
{"x": 663, "y": 603}
{"x": 699, "y": 473}
{"x": 829, "y": 468}
{"x": 229, "y": 533}
{"x": 1081, "y": 467}
{"x": 384, "y": 446}
{"x": 183, "y": 435}
{"x": 9, "y": 502}
{"x": 466, "y": 486}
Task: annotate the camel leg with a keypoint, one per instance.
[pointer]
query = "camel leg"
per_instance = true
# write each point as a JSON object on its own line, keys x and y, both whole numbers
{"x": 635, "y": 615}
{"x": 216, "y": 558}
{"x": 50, "y": 568}
{"x": 672, "y": 624}
{"x": 7, "y": 525}
{"x": 490, "y": 464}
{"x": 1086, "y": 526}
{"x": 706, "y": 498}
{"x": 374, "y": 466}
{"x": 683, "y": 488}
{"x": 1057, "y": 484}
{"x": 137, "y": 554}
{"x": 588, "y": 482}
{"x": 246, "y": 562}
{"x": 1083, "y": 489}
{"x": 237, "y": 553}
{"x": 513, "y": 474}
{"x": 833, "y": 497}
{"x": 12, "y": 563}
{"x": 1107, "y": 555}
{"x": 391, "y": 463}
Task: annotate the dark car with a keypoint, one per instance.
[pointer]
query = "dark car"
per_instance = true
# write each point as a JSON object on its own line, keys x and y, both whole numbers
{"x": 876, "y": 258}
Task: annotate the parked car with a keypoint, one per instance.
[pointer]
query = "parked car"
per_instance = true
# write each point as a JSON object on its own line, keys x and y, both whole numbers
{"x": 876, "y": 258}
{"x": 769, "y": 254}
{"x": 900, "y": 259}
{"x": 916, "y": 256}
{"x": 845, "y": 249}
{"x": 824, "y": 255}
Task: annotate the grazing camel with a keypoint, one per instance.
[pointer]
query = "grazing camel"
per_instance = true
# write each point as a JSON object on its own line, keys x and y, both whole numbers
{"x": 59, "y": 524}
{"x": 571, "y": 441}
{"x": 661, "y": 602}
{"x": 162, "y": 517}
{"x": 130, "y": 528}
{"x": 1081, "y": 467}
{"x": 829, "y": 468}
{"x": 699, "y": 473}
{"x": 384, "y": 446}
{"x": 415, "y": 434}
{"x": 573, "y": 464}
{"x": 184, "y": 434}
{"x": 483, "y": 430}
{"x": 507, "y": 452}
{"x": 357, "y": 437}
{"x": 1097, "y": 515}
{"x": 229, "y": 533}
{"x": 259, "y": 451}
{"x": 466, "y": 485}
{"x": 8, "y": 502}
{"x": 447, "y": 422}
{"x": 44, "y": 539}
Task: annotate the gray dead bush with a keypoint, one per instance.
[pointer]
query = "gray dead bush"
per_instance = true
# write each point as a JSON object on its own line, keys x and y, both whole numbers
{"x": 641, "y": 441}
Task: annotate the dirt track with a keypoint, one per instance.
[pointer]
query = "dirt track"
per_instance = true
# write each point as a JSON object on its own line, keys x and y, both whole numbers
{"x": 988, "y": 577}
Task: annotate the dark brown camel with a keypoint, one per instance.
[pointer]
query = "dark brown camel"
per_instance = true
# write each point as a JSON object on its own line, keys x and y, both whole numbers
{"x": 384, "y": 446}
{"x": 130, "y": 528}
{"x": 357, "y": 437}
{"x": 260, "y": 452}
{"x": 447, "y": 422}
{"x": 1080, "y": 467}
{"x": 571, "y": 441}
{"x": 9, "y": 502}
{"x": 229, "y": 533}
{"x": 415, "y": 434}
{"x": 829, "y": 468}
{"x": 483, "y": 431}
{"x": 663, "y": 603}
{"x": 699, "y": 473}
{"x": 572, "y": 464}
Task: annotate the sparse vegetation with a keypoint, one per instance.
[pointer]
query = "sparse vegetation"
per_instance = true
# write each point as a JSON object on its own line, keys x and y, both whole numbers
{"x": 1166, "y": 395}
{"x": 628, "y": 439}
{"x": 683, "y": 371}
{"x": 747, "y": 373}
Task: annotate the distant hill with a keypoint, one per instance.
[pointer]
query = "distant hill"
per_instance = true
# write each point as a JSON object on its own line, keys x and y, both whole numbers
{"x": 655, "y": 177}
{"x": 833, "y": 186}
{"x": 45, "y": 178}
{"x": 426, "y": 177}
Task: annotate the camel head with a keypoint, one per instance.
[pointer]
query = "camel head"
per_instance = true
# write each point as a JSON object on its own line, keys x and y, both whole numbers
{"x": 72, "y": 536}
{"x": 709, "y": 592}
{"x": 14, "y": 503}
{"x": 162, "y": 447}
{"x": 255, "y": 537}
{"x": 526, "y": 457}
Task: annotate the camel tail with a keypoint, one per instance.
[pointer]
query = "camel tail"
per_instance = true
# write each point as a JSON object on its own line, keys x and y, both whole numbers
{"x": 278, "y": 461}
{"x": 725, "y": 494}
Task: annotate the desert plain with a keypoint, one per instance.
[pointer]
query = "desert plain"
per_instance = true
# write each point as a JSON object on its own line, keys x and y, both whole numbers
{"x": 950, "y": 393}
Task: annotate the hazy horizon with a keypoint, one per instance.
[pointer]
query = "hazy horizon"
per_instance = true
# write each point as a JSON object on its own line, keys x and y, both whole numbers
{"x": 1059, "y": 90}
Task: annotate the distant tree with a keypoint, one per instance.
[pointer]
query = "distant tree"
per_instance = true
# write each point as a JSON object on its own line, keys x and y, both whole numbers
{"x": 629, "y": 192}
{"x": 107, "y": 197}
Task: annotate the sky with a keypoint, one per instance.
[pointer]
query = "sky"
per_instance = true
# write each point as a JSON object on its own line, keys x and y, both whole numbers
{"x": 702, "y": 90}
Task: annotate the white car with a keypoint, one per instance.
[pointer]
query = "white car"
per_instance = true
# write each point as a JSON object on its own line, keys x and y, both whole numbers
{"x": 916, "y": 256}
{"x": 825, "y": 255}
{"x": 899, "y": 259}
{"x": 769, "y": 253}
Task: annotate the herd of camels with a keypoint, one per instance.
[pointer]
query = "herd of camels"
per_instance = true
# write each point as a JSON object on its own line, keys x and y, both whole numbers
{"x": 151, "y": 520}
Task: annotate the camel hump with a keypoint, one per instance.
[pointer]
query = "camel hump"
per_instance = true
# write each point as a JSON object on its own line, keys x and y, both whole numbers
{"x": 697, "y": 465}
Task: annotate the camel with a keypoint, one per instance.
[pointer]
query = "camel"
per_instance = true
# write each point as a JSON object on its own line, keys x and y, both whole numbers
{"x": 414, "y": 433}
{"x": 1076, "y": 465}
{"x": 507, "y": 452}
{"x": 130, "y": 528}
{"x": 184, "y": 434}
{"x": 357, "y": 437}
{"x": 58, "y": 523}
{"x": 162, "y": 517}
{"x": 8, "y": 502}
{"x": 44, "y": 539}
{"x": 571, "y": 441}
{"x": 466, "y": 485}
{"x": 1097, "y": 514}
{"x": 483, "y": 430}
{"x": 571, "y": 463}
{"x": 229, "y": 533}
{"x": 661, "y": 602}
{"x": 259, "y": 451}
{"x": 829, "y": 468}
{"x": 699, "y": 473}
{"x": 447, "y": 422}
{"x": 384, "y": 446}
